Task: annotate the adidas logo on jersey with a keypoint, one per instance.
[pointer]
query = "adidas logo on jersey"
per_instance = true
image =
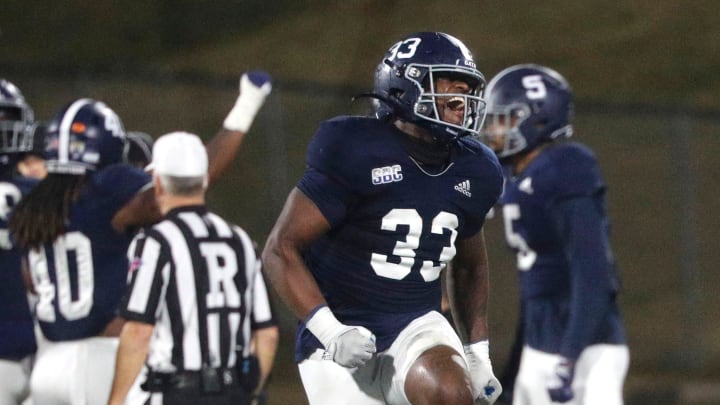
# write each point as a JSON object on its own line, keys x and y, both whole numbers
{"x": 464, "y": 187}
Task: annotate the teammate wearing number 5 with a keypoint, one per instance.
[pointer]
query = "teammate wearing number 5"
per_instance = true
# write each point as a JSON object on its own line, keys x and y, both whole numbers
{"x": 385, "y": 203}
{"x": 554, "y": 213}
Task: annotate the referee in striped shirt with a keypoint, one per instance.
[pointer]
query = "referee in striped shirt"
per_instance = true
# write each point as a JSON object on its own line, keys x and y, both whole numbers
{"x": 196, "y": 296}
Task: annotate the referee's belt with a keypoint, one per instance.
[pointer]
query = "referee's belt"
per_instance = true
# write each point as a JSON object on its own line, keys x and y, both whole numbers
{"x": 206, "y": 380}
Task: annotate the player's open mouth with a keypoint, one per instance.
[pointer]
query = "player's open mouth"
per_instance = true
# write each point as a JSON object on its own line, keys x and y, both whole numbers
{"x": 456, "y": 103}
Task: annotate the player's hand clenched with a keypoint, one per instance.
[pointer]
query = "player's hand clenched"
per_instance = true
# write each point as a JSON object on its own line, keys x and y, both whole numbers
{"x": 353, "y": 347}
{"x": 560, "y": 385}
{"x": 254, "y": 88}
{"x": 486, "y": 387}
{"x": 348, "y": 346}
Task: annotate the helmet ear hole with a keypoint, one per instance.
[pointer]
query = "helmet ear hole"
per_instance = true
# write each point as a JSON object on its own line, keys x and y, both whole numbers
{"x": 396, "y": 94}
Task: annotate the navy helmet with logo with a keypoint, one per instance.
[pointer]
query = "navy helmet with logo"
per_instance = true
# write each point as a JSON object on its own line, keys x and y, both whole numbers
{"x": 528, "y": 104}
{"x": 405, "y": 83}
{"x": 84, "y": 136}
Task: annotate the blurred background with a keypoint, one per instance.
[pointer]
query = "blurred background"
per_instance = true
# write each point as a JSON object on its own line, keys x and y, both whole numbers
{"x": 646, "y": 76}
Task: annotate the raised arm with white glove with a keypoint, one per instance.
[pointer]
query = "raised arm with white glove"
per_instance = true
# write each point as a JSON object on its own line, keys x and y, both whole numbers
{"x": 348, "y": 346}
{"x": 254, "y": 87}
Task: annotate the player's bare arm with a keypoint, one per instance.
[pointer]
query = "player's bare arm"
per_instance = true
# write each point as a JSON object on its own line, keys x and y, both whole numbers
{"x": 222, "y": 148}
{"x": 300, "y": 223}
{"x": 468, "y": 287}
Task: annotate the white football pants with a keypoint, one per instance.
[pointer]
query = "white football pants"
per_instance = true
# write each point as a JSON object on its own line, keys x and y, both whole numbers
{"x": 15, "y": 380}
{"x": 599, "y": 376}
{"x": 380, "y": 381}
{"x": 76, "y": 372}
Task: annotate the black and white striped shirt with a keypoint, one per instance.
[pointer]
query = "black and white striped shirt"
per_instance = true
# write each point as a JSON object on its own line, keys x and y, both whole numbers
{"x": 197, "y": 278}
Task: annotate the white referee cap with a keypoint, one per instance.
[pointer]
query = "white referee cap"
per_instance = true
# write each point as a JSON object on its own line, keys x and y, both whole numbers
{"x": 179, "y": 154}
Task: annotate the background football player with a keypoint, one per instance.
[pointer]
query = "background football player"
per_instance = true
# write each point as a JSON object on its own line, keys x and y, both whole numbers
{"x": 18, "y": 169}
{"x": 385, "y": 204}
{"x": 555, "y": 220}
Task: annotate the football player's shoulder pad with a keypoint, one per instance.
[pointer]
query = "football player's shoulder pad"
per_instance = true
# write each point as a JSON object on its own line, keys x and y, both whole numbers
{"x": 339, "y": 144}
{"x": 476, "y": 147}
{"x": 575, "y": 170}
{"x": 479, "y": 151}
{"x": 25, "y": 184}
{"x": 473, "y": 145}
{"x": 120, "y": 178}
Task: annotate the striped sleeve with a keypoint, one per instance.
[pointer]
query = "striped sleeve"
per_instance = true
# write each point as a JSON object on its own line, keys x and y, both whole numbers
{"x": 147, "y": 279}
{"x": 261, "y": 315}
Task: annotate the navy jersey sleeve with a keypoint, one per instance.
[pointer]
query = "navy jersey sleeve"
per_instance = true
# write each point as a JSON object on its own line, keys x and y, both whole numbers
{"x": 576, "y": 173}
{"x": 581, "y": 226}
{"x": 329, "y": 178}
{"x": 122, "y": 182}
{"x": 148, "y": 276}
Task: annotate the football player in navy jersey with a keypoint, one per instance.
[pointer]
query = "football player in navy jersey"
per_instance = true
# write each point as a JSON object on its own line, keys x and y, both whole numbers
{"x": 556, "y": 222}
{"x": 74, "y": 225}
{"x": 17, "y": 338}
{"x": 386, "y": 202}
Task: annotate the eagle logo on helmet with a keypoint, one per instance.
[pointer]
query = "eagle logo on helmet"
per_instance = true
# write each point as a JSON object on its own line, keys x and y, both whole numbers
{"x": 85, "y": 136}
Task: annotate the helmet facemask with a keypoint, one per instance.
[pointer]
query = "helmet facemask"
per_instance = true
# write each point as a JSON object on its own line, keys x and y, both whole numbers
{"x": 16, "y": 128}
{"x": 426, "y": 110}
{"x": 502, "y": 130}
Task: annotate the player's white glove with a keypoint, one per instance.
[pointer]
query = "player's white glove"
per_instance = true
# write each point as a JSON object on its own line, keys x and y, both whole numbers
{"x": 348, "y": 346}
{"x": 486, "y": 388}
{"x": 254, "y": 87}
{"x": 560, "y": 385}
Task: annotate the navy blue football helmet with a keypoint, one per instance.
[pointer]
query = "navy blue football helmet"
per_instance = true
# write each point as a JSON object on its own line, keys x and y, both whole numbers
{"x": 16, "y": 120}
{"x": 84, "y": 136}
{"x": 405, "y": 83}
{"x": 527, "y": 104}
{"x": 138, "y": 149}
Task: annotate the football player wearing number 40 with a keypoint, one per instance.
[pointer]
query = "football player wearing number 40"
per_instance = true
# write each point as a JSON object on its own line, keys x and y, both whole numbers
{"x": 555, "y": 219}
{"x": 75, "y": 223}
{"x": 386, "y": 202}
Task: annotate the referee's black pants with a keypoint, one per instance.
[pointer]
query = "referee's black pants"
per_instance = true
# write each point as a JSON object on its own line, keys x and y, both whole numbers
{"x": 231, "y": 395}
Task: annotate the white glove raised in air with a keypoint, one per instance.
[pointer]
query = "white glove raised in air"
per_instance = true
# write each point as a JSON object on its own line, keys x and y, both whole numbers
{"x": 348, "y": 346}
{"x": 254, "y": 87}
{"x": 486, "y": 388}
